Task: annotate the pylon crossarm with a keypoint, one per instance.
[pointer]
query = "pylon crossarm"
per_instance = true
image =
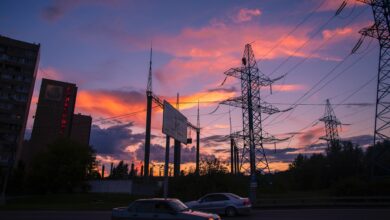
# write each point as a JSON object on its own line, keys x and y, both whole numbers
{"x": 190, "y": 125}
{"x": 235, "y": 102}
{"x": 266, "y": 81}
{"x": 158, "y": 101}
{"x": 235, "y": 72}
{"x": 369, "y": 31}
{"x": 267, "y": 108}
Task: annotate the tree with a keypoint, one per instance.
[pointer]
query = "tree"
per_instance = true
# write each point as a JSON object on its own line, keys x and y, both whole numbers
{"x": 210, "y": 166}
{"x": 121, "y": 171}
{"x": 377, "y": 159}
{"x": 64, "y": 166}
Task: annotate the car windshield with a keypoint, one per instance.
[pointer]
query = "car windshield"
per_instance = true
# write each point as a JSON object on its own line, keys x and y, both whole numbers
{"x": 178, "y": 206}
{"x": 234, "y": 196}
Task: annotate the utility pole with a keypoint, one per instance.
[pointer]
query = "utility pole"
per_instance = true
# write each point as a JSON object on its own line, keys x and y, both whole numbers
{"x": 331, "y": 124}
{"x": 232, "y": 153}
{"x": 380, "y": 30}
{"x": 166, "y": 167}
{"x": 149, "y": 99}
{"x": 197, "y": 142}
{"x": 253, "y": 153}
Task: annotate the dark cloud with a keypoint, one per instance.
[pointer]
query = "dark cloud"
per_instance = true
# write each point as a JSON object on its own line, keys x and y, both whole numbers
{"x": 56, "y": 10}
{"x": 114, "y": 139}
{"x": 222, "y": 151}
{"x": 281, "y": 155}
{"x": 293, "y": 133}
{"x": 133, "y": 96}
{"x": 319, "y": 146}
{"x": 231, "y": 89}
{"x": 361, "y": 140}
{"x": 214, "y": 139}
{"x": 157, "y": 153}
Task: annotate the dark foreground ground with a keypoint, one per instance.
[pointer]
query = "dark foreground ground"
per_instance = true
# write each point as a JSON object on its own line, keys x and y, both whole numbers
{"x": 315, "y": 214}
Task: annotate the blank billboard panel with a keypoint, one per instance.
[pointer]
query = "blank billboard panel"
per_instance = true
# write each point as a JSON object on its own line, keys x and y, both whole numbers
{"x": 174, "y": 123}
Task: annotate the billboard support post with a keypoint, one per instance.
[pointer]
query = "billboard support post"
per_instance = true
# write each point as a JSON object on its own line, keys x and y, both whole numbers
{"x": 166, "y": 167}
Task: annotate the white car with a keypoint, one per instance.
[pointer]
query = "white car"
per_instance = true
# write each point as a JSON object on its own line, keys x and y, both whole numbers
{"x": 222, "y": 203}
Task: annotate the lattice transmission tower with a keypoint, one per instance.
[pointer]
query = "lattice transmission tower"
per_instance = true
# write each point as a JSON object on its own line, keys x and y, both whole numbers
{"x": 331, "y": 126}
{"x": 253, "y": 156}
{"x": 381, "y": 30}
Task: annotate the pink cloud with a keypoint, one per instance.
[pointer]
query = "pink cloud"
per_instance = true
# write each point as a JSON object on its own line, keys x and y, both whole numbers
{"x": 49, "y": 73}
{"x": 288, "y": 87}
{"x": 338, "y": 32}
{"x": 310, "y": 136}
{"x": 245, "y": 15}
{"x": 203, "y": 53}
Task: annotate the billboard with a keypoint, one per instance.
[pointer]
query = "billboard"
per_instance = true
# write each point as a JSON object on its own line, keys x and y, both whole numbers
{"x": 174, "y": 123}
{"x": 53, "y": 92}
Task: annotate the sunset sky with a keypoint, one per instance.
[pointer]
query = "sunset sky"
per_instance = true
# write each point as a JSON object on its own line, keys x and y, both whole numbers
{"x": 103, "y": 46}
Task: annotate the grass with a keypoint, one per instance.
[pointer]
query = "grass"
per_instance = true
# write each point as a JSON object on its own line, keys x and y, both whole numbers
{"x": 77, "y": 201}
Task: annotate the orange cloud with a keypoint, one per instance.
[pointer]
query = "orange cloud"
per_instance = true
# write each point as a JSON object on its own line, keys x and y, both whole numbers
{"x": 278, "y": 166}
{"x": 103, "y": 103}
{"x": 288, "y": 87}
{"x": 204, "y": 53}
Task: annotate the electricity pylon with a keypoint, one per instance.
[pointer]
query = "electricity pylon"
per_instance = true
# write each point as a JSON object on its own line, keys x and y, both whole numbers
{"x": 253, "y": 153}
{"x": 331, "y": 125}
{"x": 381, "y": 30}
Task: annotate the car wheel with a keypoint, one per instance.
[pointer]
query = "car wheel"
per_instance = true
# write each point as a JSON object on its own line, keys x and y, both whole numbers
{"x": 230, "y": 211}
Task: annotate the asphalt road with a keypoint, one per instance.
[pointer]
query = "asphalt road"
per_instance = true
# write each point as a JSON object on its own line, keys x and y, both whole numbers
{"x": 315, "y": 214}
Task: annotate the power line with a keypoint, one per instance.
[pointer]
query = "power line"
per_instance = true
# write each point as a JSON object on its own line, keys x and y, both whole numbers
{"x": 320, "y": 47}
{"x": 119, "y": 116}
{"x": 284, "y": 103}
{"x": 309, "y": 39}
{"x": 303, "y": 97}
{"x": 293, "y": 30}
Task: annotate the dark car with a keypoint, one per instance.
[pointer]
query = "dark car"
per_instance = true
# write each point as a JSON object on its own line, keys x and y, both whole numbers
{"x": 159, "y": 209}
{"x": 222, "y": 203}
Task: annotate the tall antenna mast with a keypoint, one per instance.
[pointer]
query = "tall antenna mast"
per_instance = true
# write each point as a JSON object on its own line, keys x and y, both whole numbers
{"x": 149, "y": 100}
{"x": 197, "y": 118}
{"x": 149, "y": 86}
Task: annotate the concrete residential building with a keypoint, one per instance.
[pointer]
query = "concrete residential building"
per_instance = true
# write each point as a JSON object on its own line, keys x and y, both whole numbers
{"x": 81, "y": 128}
{"x": 55, "y": 118}
{"x": 18, "y": 69}
{"x": 54, "y": 113}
